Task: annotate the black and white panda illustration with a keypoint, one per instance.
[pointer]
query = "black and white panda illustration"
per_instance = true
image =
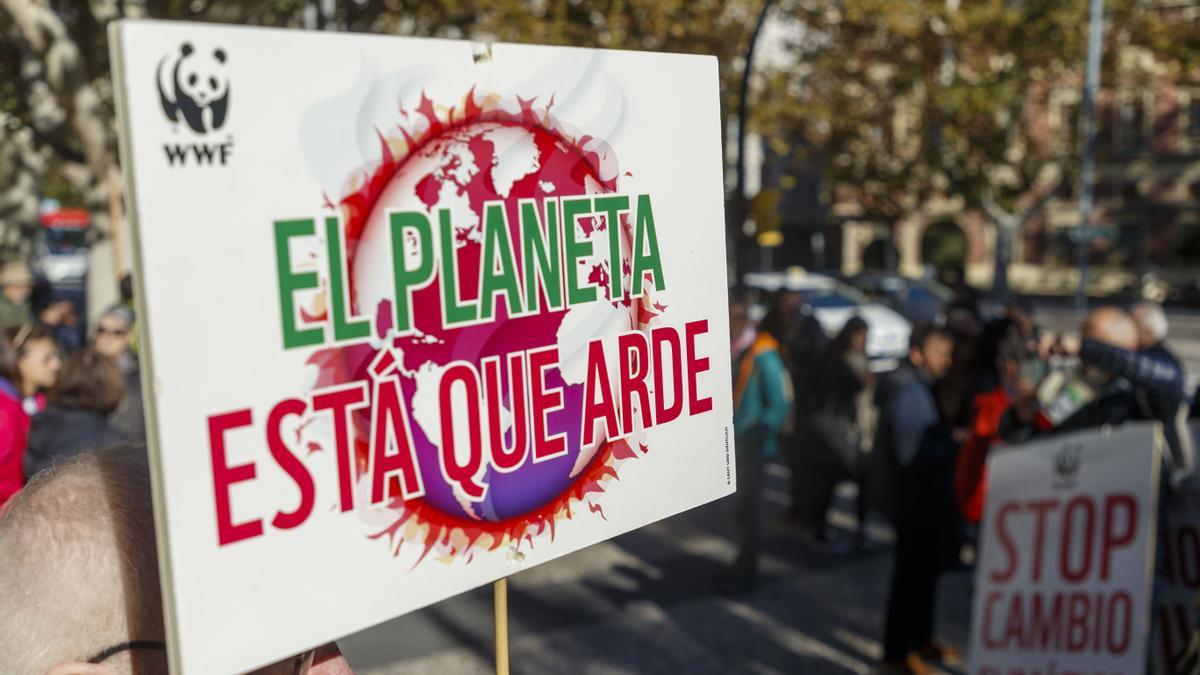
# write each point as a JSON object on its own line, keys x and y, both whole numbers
{"x": 194, "y": 84}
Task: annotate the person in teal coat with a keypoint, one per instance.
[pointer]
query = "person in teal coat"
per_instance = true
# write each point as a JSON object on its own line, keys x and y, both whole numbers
{"x": 762, "y": 400}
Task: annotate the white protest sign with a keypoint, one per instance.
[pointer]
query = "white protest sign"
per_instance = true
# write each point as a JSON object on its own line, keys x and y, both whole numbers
{"x": 1063, "y": 579}
{"x": 1177, "y": 613}
{"x": 417, "y": 314}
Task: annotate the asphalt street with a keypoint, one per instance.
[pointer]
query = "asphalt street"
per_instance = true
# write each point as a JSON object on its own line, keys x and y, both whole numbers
{"x": 645, "y": 602}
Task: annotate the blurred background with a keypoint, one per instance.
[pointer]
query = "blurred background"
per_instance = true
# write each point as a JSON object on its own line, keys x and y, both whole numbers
{"x": 898, "y": 162}
{"x": 937, "y": 140}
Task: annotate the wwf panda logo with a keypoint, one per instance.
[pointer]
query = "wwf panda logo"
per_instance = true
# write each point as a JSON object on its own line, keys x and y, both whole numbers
{"x": 193, "y": 84}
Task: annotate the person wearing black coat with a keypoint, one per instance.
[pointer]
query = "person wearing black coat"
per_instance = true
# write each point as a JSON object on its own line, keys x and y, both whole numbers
{"x": 114, "y": 339}
{"x": 1147, "y": 385}
{"x": 89, "y": 389}
{"x": 917, "y": 444}
{"x": 1134, "y": 382}
{"x": 830, "y": 432}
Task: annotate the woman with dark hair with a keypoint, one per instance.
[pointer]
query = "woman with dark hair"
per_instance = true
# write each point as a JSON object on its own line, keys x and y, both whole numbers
{"x": 37, "y": 364}
{"x": 89, "y": 389}
{"x": 762, "y": 400}
{"x": 14, "y": 425}
{"x": 833, "y": 433}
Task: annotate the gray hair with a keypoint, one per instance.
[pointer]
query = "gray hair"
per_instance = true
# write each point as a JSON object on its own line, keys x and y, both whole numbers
{"x": 1152, "y": 319}
{"x": 78, "y": 571}
{"x": 121, "y": 313}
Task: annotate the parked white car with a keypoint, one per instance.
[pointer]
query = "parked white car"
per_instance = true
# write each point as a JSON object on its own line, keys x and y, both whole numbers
{"x": 833, "y": 303}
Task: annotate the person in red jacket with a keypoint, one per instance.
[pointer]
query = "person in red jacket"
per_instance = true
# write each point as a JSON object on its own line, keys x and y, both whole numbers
{"x": 1015, "y": 381}
{"x": 14, "y": 425}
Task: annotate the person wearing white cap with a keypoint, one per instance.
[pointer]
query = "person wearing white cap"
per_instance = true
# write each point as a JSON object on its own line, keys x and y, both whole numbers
{"x": 16, "y": 285}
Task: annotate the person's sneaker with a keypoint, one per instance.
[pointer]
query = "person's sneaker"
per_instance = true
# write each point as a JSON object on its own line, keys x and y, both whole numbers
{"x": 912, "y": 664}
{"x": 936, "y": 651}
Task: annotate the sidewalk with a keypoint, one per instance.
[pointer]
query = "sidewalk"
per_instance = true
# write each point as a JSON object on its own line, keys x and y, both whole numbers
{"x": 643, "y": 603}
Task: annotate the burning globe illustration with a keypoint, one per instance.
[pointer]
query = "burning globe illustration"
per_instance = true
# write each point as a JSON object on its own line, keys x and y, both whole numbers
{"x": 482, "y": 173}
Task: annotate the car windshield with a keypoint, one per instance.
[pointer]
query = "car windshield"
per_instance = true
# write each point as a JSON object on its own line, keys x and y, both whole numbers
{"x": 935, "y": 290}
{"x": 904, "y": 289}
{"x": 922, "y": 294}
{"x": 63, "y": 241}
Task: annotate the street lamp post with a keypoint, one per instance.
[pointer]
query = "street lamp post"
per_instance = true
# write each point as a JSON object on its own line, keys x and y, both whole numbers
{"x": 1084, "y": 241}
{"x": 739, "y": 203}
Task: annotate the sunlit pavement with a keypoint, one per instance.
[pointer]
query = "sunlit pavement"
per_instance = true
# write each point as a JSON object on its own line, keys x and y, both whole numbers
{"x": 644, "y": 603}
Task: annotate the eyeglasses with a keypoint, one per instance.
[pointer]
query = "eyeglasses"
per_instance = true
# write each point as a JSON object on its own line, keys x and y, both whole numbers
{"x": 301, "y": 663}
{"x": 117, "y": 332}
{"x": 109, "y": 652}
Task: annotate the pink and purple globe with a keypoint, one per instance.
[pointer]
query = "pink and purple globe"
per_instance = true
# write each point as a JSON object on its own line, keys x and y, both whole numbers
{"x": 460, "y": 167}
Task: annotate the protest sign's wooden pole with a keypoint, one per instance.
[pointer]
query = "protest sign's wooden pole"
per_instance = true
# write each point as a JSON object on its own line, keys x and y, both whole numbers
{"x": 500, "y": 596}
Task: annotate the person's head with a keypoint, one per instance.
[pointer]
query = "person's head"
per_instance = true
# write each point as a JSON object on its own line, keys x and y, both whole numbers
{"x": 783, "y": 312}
{"x": 16, "y": 282}
{"x": 79, "y": 577}
{"x": 852, "y": 338}
{"x": 38, "y": 360}
{"x": 126, "y": 288}
{"x": 78, "y": 572}
{"x": 1151, "y": 323}
{"x": 88, "y": 381}
{"x": 113, "y": 331}
{"x": 1019, "y": 313}
{"x": 1112, "y": 326}
{"x": 1011, "y": 353}
{"x": 57, "y": 312}
{"x": 739, "y": 317}
{"x": 931, "y": 350}
{"x": 780, "y": 318}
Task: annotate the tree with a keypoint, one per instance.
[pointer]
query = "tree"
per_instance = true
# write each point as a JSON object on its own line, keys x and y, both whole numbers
{"x": 57, "y": 128}
{"x": 907, "y": 102}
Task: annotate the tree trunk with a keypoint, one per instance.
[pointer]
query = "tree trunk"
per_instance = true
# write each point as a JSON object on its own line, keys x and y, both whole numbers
{"x": 1003, "y": 257}
{"x": 1008, "y": 225}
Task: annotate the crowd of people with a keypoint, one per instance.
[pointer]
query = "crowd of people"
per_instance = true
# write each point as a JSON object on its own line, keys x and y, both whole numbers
{"x": 78, "y": 531}
{"x": 59, "y": 393}
{"x": 915, "y": 439}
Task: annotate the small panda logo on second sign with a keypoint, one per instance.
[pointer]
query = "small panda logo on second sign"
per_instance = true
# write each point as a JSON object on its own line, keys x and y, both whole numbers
{"x": 193, "y": 85}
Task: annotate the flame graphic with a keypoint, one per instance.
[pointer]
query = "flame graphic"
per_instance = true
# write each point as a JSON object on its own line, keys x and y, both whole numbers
{"x": 442, "y": 535}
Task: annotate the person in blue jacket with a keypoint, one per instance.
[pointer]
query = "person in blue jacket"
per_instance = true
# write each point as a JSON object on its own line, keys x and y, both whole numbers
{"x": 762, "y": 401}
{"x": 919, "y": 447}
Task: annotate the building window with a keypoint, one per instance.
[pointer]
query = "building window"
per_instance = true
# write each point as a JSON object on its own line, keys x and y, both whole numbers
{"x": 1064, "y": 116}
{"x": 1131, "y": 125}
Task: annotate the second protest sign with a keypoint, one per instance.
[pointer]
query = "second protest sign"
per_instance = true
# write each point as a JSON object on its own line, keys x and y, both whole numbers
{"x": 1063, "y": 579}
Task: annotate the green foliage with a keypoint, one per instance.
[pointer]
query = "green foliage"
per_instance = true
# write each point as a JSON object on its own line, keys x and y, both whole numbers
{"x": 907, "y": 100}
{"x": 718, "y": 27}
